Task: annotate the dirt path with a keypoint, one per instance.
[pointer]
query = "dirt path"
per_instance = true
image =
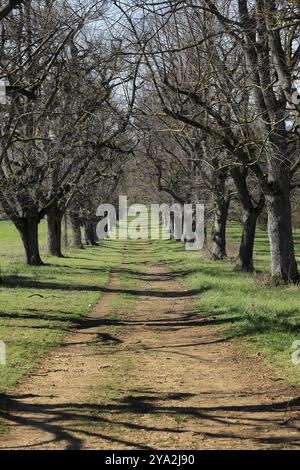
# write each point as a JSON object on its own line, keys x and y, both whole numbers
{"x": 157, "y": 377}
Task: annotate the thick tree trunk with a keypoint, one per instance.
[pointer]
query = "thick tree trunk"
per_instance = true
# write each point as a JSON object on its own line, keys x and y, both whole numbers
{"x": 251, "y": 211}
{"x": 219, "y": 230}
{"x": 53, "y": 225}
{"x": 76, "y": 231}
{"x": 280, "y": 228}
{"x": 28, "y": 229}
{"x": 89, "y": 231}
{"x": 247, "y": 242}
{"x": 283, "y": 262}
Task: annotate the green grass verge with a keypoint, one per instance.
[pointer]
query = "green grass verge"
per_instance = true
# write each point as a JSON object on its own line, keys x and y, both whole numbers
{"x": 263, "y": 318}
{"x": 38, "y": 305}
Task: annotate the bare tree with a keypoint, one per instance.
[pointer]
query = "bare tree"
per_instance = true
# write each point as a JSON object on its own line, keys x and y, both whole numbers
{"x": 64, "y": 108}
{"x": 185, "y": 56}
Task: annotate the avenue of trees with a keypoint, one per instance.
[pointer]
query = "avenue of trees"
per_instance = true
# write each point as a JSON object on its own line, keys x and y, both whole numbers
{"x": 202, "y": 94}
{"x": 64, "y": 122}
{"x": 229, "y": 69}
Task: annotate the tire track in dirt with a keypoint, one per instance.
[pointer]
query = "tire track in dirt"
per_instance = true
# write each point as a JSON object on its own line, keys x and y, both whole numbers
{"x": 157, "y": 377}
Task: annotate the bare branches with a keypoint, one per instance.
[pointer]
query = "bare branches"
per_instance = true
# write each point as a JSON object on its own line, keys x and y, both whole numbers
{"x": 8, "y": 7}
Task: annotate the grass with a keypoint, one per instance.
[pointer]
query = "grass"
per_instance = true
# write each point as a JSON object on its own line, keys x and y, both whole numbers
{"x": 38, "y": 305}
{"x": 263, "y": 318}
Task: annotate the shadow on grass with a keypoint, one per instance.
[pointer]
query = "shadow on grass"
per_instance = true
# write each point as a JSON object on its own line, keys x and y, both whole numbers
{"x": 256, "y": 324}
{"x": 21, "y": 282}
{"x": 237, "y": 322}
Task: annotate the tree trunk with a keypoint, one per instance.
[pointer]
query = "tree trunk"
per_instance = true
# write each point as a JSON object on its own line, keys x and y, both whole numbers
{"x": 205, "y": 245}
{"x": 247, "y": 242}
{"x": 283, "y": 262}
{"x": 89, "y": 231}
{"x": 95, "y": 232}
{"x": 219, "y": 230}
{"x": 66, "y": 235}
{"x": 172, "y": 224}
{"x": 28, "y": 229}
{"x": 76, "y": 231}
{"x": 280, "y": 228}
{"x": 53, "y": 223}
{"x": 251, "y": 211}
